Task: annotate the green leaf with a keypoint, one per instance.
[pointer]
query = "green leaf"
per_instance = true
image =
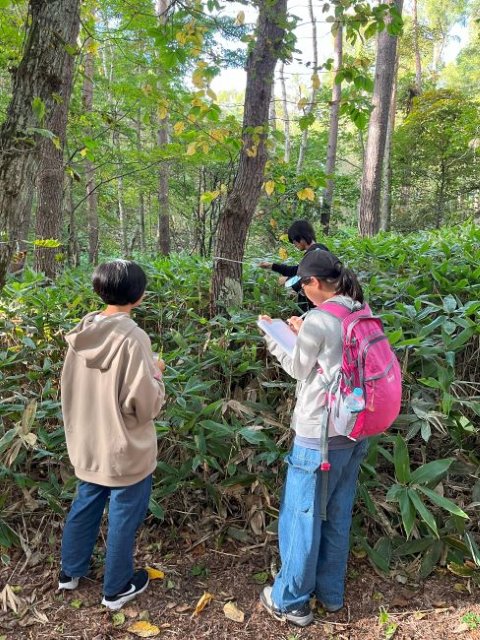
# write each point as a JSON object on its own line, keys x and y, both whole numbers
{"x": 431, "y": 471}
{"x": 442, "y": 502}
{"x": 407, "y": 511}
{"x": 39, "y": 108}
{"x": 449, "y": 304}
{"x": 401, "y": 460}
{"x": 431, "y": 558}
{"x": 426, "y": 515}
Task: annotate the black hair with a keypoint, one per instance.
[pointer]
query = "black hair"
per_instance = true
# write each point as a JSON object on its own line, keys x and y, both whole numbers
{"x": 348, "y": 285}
{"x": 119, "y": 282}
{"x": 301, "y": 230}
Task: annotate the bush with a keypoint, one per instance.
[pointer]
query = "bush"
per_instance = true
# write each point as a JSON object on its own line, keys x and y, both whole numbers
{"x": 226, "y": 425}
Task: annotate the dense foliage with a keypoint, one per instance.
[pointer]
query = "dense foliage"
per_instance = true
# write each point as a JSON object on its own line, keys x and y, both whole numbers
{"x": 225, "y": 428}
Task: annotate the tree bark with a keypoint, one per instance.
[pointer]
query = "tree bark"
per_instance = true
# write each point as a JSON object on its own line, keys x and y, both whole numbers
{"x": 141, "y": 196}
{"x": 386, "y": 210}
{"x": 286, "y": 116}
{"x": 369, "y": 214}
{"x": 418, "y": 59}
{"x": 327, "y": 199}
{"x": 314, "y": 92}
{"x": 37, "y": 82}
{"x": 51, "y": 178}
{"x": 163, "y": 170}
{"x": 92, "y": 197}
{"x": 241, "y": 201}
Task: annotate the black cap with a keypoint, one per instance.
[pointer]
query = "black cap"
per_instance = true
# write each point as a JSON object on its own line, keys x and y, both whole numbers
{"x": 320, "y": 263}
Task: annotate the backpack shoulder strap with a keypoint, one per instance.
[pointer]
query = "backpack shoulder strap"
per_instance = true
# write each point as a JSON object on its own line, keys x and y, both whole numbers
{"x": 335, "y": 309}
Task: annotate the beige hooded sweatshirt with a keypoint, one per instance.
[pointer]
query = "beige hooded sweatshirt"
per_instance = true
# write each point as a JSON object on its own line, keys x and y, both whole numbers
{"x": 109, "y": 400}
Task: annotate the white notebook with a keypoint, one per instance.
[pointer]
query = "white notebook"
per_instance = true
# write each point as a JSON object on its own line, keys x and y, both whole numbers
{"x": 280, "y": 332}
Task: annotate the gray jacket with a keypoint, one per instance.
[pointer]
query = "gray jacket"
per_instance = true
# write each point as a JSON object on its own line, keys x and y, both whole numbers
{"x": 315, "y": 361}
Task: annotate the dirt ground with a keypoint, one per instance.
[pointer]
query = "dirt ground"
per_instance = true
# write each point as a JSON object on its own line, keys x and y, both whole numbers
{"x": 444, "y": 606}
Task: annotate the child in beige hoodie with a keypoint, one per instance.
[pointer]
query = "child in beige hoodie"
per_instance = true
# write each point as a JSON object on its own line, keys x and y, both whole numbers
{"x": 112, "y": 390}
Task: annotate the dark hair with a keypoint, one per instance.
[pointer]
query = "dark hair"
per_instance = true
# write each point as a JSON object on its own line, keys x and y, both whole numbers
{"x": 301, "y": 230}
{"x": 348, "y": 285}
{"x": 119, "y": 282}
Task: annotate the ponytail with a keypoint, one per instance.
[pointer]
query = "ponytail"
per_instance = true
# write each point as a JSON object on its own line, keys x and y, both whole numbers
{"x": 348, "y": 285}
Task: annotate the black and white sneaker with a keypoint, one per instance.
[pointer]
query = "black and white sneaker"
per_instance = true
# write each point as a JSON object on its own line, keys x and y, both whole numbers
{"x": 302, "y": 616}
{"x": 137, "y": 585}
{"x": 67, "y": 582}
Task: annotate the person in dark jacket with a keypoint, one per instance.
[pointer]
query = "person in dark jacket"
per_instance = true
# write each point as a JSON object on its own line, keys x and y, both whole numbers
{"x": 302, "y": 236}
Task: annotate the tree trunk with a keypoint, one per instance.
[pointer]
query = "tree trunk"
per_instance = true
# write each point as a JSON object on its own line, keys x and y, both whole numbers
{"x": 73, "y": 251}
{"x": 327, "y": 199}
{"x": 51, "y": 178}
{"x": 286, "y": 117}
{"x": 418, "y": 59}
{"x": 242, "y": 199}
{"x": 163, "y": 171}
{"x": 386, "y": 211}
{"x": 120, "y": 205}
{"x": 92, "y": 197}
{"x": 37, "y": 82}
{"x": 369, "y": 214}
{"x": 315, "y": 87}
{"x": 141, "y": 196}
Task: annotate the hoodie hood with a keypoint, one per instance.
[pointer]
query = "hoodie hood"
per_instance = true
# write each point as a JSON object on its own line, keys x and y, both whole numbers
{"x": 97, "y": 341}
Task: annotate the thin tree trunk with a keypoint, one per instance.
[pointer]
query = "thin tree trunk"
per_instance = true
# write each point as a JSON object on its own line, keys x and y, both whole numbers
{"x": 286, "y": 117}
{"x": 164, "y": 169}
{"x": 369, "y": 214}
{"x": 120, "y": 204}
{"x": 73, "y": 249}
{"x": 37, "y": 82}
{"x": 243, "y": 197}
{"x": 92, "y": 197}
{"x": 418, "y": 59}
{"x": 141, "y": 196}
{"x": 327, "y": 199}
{"x": 315, "y": 87}
{"x": 386, "y": 211}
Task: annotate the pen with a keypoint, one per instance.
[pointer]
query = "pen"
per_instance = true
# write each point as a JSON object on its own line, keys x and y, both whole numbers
{"x": 301, "y": 317}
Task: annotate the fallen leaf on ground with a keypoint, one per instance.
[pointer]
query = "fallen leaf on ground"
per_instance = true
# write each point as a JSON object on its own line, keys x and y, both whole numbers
{"x": 9, "y": 600}
{"x": 155, "y": 574}
{"x": 144, "y": 629}
{"x": 461, "y": 628}
{"x": 232, "y": 612}
{"x": 202, "y": 603}
{"x": 118, "y": 618}
{"x": 182, "y": 608}
{"x": 131, "y": 612}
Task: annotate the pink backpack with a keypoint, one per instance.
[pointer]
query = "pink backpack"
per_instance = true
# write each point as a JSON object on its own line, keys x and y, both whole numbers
{"x": 368, "y": 362}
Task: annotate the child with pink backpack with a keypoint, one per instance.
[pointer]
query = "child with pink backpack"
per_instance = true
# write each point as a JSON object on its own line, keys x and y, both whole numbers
{"x": 348, "y": 388}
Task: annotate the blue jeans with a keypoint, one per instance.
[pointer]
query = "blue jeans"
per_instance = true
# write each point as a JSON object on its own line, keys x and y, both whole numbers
{"x": 313, "y": 552}
{"x": 127, "y": 509}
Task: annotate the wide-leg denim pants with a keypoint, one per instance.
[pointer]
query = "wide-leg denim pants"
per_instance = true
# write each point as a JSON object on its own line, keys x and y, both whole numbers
{"x": 126, "y": 512}
{"x": 314, "y": 552}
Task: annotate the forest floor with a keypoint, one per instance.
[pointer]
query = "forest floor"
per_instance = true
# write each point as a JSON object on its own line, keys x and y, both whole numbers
{"x": 444, "y": 606}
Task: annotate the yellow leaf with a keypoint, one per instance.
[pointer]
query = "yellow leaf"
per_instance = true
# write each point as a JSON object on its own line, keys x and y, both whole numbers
{"x": 198, "y": 79}
{"x": 306, "y": 194}
{"x": 144, "y": 629}
{"x": 273, "y": 223}
{"x": 269, "y": 187}
{"x": 240, "y": 19}
{"x": 252, "y": 151}
{"x": 180, "y": 37}
{"x": 211, "y": 94}
{"x": 302, "y": 103}
{"x": 233, "y": 613}
{"x": 205, "y": 148}
{"x": 155, "y": 574}
{"x": 191, "y": 149}
{"x": 92, "y": 47}
{"x": 162, "y": 111}
{"x": 83, "y": 152}
{"x": 217, "y": 135}
{"x": 284, "y": 237}
{"x": 283, "y": 253}
{"x": 179, "y": 127}
{"x": 192, "y": 117}
{"x": 202, "y": 603}
{"x": 315, "y": 81}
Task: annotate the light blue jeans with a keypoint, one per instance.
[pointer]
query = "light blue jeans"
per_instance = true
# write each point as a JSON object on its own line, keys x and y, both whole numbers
{"x": 126, "y": 512}
{"x": 313, "y": 552}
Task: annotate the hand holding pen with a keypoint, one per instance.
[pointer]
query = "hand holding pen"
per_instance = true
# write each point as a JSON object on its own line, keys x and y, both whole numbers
{"x": 295, "y": 322}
